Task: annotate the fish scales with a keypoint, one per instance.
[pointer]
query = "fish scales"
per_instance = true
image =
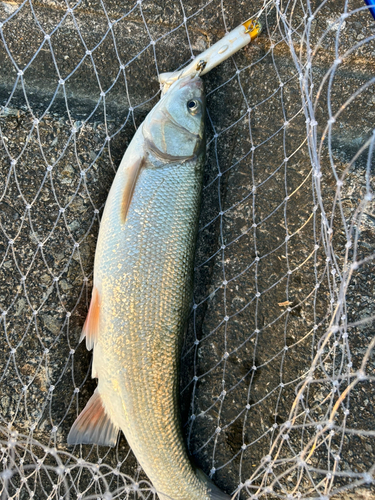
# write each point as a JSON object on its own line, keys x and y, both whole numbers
{"x": 152, "y": 293}
{"x": 143, "y": 280}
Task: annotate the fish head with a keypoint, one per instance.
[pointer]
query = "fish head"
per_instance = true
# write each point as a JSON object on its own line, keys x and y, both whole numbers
{"x": 174, "y": 129}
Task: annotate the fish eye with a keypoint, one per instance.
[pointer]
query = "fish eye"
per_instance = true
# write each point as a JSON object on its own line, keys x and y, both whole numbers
{"x": 193, "y": 106}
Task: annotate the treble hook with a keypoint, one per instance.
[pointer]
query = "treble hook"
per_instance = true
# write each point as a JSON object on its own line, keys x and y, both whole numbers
{"x": 200, "y": 66}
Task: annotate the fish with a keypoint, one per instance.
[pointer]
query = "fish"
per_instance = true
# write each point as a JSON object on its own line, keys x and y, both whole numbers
{"x": 142, "y": 294}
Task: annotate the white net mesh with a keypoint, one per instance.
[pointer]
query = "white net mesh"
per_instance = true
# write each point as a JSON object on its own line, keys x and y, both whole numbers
{"x": 277, "y": 382}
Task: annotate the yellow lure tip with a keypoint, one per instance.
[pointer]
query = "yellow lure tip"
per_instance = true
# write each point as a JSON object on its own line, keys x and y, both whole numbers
{"x": 253, "y": 28}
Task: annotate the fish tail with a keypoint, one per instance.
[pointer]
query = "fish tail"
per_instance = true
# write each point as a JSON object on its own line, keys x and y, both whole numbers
{"x": 214, "y": 492}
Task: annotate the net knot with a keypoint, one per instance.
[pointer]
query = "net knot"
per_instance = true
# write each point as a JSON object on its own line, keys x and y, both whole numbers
{"x": 367, "y": 477}
{"x": 6, "y": 474}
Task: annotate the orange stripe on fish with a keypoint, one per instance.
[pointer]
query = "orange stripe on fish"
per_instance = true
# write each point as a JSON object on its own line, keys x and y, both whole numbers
{"x": 91, "y": 327}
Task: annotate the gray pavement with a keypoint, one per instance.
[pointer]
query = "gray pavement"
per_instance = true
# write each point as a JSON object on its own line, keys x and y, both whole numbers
{"x": 251, "y": 338}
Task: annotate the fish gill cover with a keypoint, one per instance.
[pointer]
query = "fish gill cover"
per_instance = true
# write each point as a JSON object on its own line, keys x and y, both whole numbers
{"x": 277, "y": 382}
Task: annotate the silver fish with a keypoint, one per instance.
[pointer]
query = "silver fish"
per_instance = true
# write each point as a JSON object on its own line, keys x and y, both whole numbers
{"x": 142, "y": 293}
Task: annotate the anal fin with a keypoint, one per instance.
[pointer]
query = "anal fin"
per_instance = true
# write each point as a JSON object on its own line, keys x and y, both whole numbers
{"x": 93, "y": 425}
{"x": 90, "y": 329}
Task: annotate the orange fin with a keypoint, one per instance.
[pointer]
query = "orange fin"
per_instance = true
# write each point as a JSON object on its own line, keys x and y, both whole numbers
{"x": 93, "y": 426}
{"x": 90, "y": 329}
{"x": 133, "y": 173}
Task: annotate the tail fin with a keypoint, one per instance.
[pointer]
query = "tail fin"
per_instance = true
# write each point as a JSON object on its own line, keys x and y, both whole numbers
{"x": 214, "y": 492}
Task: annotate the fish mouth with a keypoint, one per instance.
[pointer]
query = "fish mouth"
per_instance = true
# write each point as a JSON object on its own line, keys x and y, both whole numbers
{"x": 191, "y": 81}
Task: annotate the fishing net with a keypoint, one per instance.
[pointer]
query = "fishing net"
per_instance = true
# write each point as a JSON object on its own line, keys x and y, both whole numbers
{"x": 277, "y": 379}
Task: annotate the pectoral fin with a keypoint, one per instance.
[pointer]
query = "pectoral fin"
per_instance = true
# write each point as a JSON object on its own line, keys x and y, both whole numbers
{"x": 90, "y": 329}
{"x": 128, "y": 190}
{"x": 93, "y": 426}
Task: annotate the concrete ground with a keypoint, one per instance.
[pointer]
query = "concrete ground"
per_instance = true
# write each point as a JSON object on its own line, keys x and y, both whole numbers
{"x": 264, "y": 292}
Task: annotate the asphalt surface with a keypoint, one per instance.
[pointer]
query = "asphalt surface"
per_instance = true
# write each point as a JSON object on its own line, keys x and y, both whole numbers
{"x": 251, "y": 338}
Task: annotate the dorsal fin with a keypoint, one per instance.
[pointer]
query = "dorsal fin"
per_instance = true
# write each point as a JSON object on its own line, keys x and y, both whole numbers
{"x": 93, "y": 426}
{"x": 128, "y": 190}
{"x": 90, "y": 329}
